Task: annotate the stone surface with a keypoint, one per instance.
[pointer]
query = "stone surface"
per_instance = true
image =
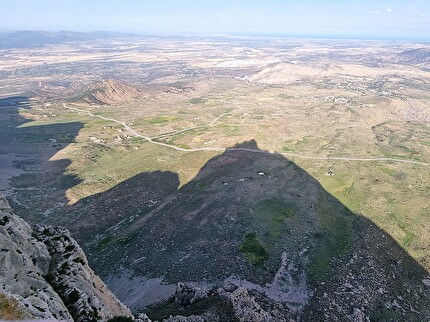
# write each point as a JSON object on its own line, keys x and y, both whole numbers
{"x": 186, "y": 295}
{"x": 24, "y": 262}
{"x": 246, "y": 307}
{"x": 46, "y": 271}
{"x": 85, "y": 295}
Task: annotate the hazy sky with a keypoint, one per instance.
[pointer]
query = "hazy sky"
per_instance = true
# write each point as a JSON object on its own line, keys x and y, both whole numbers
{"x": 368, "y": 18}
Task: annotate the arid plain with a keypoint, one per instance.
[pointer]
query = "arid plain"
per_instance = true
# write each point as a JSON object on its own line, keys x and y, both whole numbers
{"x": 87, "y": 116}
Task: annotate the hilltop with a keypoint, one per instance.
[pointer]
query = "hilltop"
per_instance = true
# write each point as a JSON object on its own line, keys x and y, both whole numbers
{"x": 249, "y": 218}
{"x": 325, "y": 219}
{"x": 45, "y": 275}
{"x": 107, "y": 92}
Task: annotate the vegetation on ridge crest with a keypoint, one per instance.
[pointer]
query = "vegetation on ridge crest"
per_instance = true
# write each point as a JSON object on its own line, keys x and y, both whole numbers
{"x": 253, "y": 249}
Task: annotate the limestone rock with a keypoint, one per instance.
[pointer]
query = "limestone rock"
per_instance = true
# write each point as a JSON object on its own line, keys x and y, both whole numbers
{"x": 359, "y": 316}
{"x": 186, "y": 295}
{"x": 24, "y": 262}
{"x": 142, "y": 317}
{"x": 245, "y": 307}
{"x": 84, "y": 294}
{"x": 46, "y": 272}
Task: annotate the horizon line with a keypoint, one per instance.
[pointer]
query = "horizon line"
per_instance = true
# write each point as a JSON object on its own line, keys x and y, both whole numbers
{"x": 233, "y": 34}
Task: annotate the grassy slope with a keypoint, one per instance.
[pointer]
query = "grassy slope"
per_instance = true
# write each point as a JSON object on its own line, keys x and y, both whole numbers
{"x": 392, "y": 195}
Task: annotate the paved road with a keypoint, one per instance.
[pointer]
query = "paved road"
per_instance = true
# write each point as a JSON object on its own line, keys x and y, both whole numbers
{"x": 219, "y": 149}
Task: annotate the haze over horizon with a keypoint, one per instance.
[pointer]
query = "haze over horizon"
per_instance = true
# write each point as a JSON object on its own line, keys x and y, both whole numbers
{"x": 392, "y": 19}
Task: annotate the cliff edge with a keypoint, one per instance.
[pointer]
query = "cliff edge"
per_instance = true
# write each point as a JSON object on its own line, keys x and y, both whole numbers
{"x": 44, "y": 274}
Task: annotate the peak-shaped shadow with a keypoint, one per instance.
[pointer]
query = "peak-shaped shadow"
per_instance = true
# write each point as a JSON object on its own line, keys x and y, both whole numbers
{"x": 25, "y": 150}
{"x": 249, "y": 217}
{"x": 253, "y": 218}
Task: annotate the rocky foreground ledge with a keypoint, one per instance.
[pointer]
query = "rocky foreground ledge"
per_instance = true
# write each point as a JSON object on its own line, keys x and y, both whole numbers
{"x": 44, "y": 276}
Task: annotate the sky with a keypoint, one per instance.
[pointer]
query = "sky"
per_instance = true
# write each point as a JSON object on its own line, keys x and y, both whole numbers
{"x": 394, "y": 19}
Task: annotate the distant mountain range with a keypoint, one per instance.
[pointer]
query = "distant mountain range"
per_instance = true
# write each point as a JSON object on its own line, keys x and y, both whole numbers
{"x": 415, "y": 56}
{"x": 29, "y": 38}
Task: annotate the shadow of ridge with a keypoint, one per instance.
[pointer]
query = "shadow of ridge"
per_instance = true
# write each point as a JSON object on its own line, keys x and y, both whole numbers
{"x": 37, "y": 182}
{"x": 118, "y": 206}
{"x": 244, "y": 211}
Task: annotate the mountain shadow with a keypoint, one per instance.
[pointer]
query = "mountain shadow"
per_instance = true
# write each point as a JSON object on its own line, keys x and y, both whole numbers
{"x": 25, "y": 158}
{"x": 255, "y": 219}
{"x": 249, "y": 218}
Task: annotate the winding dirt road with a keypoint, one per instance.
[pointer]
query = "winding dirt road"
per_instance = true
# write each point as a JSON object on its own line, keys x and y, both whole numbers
{"x": 219, "y": 149}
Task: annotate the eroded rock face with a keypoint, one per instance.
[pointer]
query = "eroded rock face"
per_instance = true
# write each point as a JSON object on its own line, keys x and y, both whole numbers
{"x": 186, "y": 295}
{"x": 238, "y": 304}
{"x": 109, "y": 92}
{"x": 84, "y": 294}
{"x": 246, "y": 307}
{"x": 24, "y": 261}
{"x": 46, "y": 271}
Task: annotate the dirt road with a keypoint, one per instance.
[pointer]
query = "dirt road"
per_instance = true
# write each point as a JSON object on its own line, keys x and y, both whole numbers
{"x": 219, "y": 149}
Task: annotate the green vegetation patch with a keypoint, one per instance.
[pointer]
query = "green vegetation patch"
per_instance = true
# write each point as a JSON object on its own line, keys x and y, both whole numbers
{"x": 109, "y": 240}
{"x": 230, "y": 130}
{"x": 425, "y": 143}
{"x": 409, "y": 236}
{"x": 254, "y": 250}
{"x": 198, "y": 100}
{"x": 183, "y": 146}
{"x": 402, "y": 140}
{"x": 126, "y": 240}
{"x": 157, "y": 120}
{"x": 276, "y": 209}
{"x": 272, "y": 213}
{"x": 199, "y": 186}
{"x": 287, "y": 149}
{"x": 391, "y": 172}
{"x": 137, "y": 140}
{"x": 42, "y": 133}
{"x": 407, "y": 150}
{"x": 103, "y": 243}
{"x": 333, "y": 239}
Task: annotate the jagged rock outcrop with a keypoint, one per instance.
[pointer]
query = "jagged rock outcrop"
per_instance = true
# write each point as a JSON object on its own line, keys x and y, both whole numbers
{"x": 186, "y": 295}
{"x": 227, "y": 303}
{"x": 46, "y": 272}
{"x": 24, "y": 261}
{"x": 84, "y": 294}
{"x": 245, "y": 307}
{"x": 108, "y": 92}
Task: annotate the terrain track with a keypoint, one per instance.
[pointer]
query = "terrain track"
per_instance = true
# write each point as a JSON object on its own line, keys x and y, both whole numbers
{"x": 219, "y": 149}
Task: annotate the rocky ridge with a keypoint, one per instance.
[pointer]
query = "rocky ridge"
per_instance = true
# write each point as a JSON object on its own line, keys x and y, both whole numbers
{"x": 46, "y": 273}
{"x": 108, "y": 92}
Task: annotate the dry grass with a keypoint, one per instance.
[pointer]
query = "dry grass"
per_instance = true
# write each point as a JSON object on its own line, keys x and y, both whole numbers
{"x": 10, "y": 310}
{"x": 336, "y": 103}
